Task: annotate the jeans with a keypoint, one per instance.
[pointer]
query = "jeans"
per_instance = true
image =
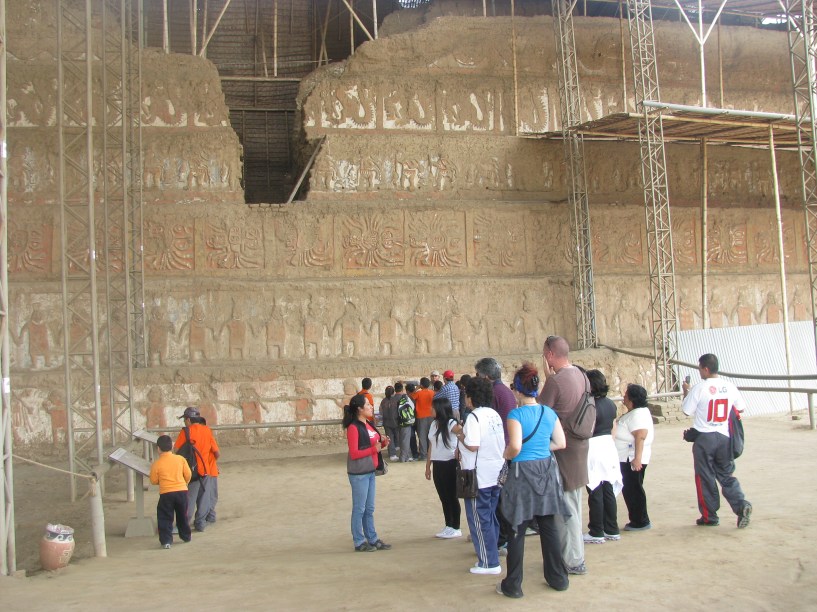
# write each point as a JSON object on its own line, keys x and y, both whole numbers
{"x": 394, "y": 437}
{"x": 363, "y": 508}
{"x": 199, "y": 502}
{"x": 423, "y": 426}
{"x": 481, "y": 514}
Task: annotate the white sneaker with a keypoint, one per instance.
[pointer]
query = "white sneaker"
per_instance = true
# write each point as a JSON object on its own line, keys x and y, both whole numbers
{"x": 589, "y": 539}
{"x": 444, "y": 533}
{"x": 450, "y": 532}
{"x": 393, "y": 458}
{"x": 487, "y": 570}
{"x": 612, "y": 537}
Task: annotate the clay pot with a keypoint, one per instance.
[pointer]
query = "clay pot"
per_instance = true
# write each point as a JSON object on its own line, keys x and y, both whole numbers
{"x": 56, "y": 547}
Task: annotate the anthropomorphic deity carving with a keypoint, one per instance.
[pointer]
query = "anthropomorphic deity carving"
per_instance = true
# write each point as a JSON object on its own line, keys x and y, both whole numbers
{"x": 197, "y": 328}
{"x": 168, "y": 246}
{"x": 39, "y": 342}
{"x": 159, "y": 332}
{"x": 54, "y": 405}
{"x": 236, "y": 328}
{"x": 154, "y": 409}
{"x": 234, "y": 247}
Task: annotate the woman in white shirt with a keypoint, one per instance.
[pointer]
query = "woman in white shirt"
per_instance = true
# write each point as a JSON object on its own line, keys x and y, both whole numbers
{"x": 481, "y": 443}
{"x": 442, "y": 443}
{"x": 634, "y": 436}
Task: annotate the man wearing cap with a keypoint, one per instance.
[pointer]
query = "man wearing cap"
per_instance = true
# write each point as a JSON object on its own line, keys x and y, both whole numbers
{"x": 199, "y": 494}
{"x": 434, "y": 376}
{"x": 450, "y": 391}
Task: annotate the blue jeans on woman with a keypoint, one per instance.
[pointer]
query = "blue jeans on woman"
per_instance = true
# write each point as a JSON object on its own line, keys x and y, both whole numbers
{"x": 481, "y": 514}
{"x": 363, "y": 508}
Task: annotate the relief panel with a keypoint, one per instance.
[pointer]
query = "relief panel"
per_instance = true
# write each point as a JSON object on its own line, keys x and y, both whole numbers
{"x": 372, "y": 240}
{"x": 169, "y": 244}
{"x": 436, "y": 239}
{"x": 237, "y": 245}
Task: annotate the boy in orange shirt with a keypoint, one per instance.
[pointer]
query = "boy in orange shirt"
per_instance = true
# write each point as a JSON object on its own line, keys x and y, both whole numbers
{"x": 172, "y": 474}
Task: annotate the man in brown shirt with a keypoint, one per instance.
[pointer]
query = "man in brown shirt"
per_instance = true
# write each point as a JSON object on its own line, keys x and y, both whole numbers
{"x": 564, "y": 386}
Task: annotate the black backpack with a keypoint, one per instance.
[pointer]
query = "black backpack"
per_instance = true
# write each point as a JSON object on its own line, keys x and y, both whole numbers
{"x": 189, "y": 451}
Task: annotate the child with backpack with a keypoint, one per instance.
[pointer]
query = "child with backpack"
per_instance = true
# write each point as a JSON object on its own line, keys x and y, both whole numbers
{"x": 172, "y": 474}
{"x": 405, "y": 421}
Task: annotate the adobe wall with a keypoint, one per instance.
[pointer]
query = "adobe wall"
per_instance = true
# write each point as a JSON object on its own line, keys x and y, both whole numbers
{"x": 431, "y": 236}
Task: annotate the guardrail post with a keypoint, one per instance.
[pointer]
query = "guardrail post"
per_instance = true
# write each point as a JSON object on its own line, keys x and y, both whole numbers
{"x": 811, "y": 422}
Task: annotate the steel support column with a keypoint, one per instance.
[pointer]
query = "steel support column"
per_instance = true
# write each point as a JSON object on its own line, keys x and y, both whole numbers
{"x": 803, "y": 54}
{"x": 571, "y": 115}
{"x": 656, "y": 195}
{"x": 8, "y": 554}
{"x": 77, "y": 177}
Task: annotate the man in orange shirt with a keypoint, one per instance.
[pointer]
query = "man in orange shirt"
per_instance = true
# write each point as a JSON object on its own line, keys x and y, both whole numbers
{"x": 422, "y": 409}
{"x": 199, "y": 492}
{"x": 172, "y": 474}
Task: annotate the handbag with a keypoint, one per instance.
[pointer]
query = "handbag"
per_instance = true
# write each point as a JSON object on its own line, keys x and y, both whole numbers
{"x": 382, "y": 467}
{"x": 466, "y": 482}
{"x": 467, "y": 486}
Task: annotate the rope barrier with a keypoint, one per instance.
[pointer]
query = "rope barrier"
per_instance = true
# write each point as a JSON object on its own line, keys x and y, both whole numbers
{"x": 56, "y": 469}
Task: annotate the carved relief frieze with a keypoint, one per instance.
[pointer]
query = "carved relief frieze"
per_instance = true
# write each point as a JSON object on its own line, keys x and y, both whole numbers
{"x": 436, "y": 239}
{"x": 407, "y": 108}
{"x": 765, "y": 243}
{"x": 684, "y": 241}
{"x": 470, "y": 110}
{"x": 32, "y": 169}
{"x": 534, "y": 109}
{"x": 235, "y": 245}
{"x": 169, "y": 245}
{"x": 499, "y": 240}
{"x": 31, "y": 98}
{"x": 306, "y": 242}
{"x": 348, "y": 106}
{"x": 372, "y": 240}
{"x": 727, "y": 243}
{"x": 195, "y": 162}
{"x": 29, "y": 245}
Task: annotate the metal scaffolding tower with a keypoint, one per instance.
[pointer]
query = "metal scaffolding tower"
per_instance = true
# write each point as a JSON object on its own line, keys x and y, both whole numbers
{"x": 8, "y": 563}
{"x": 77, "y": 176}
{"x": 100, "y": 155}
{"x": 121, "y": 242}
{"x": 803, "y": 53}
{"x": 571, "y": 116}
{"x": 656, "y": 195}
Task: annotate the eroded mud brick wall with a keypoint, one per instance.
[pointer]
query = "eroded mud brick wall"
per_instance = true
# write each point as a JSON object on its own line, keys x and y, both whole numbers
{"x": 434, "y": 231}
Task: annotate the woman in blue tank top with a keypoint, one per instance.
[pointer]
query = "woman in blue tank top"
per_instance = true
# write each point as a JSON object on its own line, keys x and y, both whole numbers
{"x": 533, "y": 491}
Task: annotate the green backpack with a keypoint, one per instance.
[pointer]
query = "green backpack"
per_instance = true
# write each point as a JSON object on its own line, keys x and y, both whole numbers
{"x": 405, "y": 412}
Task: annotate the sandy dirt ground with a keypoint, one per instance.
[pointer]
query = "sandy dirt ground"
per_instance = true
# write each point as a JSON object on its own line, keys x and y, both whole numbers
{"x": 282, "y": 542}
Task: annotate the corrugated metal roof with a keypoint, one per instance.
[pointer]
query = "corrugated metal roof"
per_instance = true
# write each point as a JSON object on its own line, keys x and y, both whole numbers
{"x": 755, "y": 349}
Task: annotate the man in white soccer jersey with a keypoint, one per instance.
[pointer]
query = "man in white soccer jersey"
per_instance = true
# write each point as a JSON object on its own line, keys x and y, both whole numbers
{"x": 710, "y": 401}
